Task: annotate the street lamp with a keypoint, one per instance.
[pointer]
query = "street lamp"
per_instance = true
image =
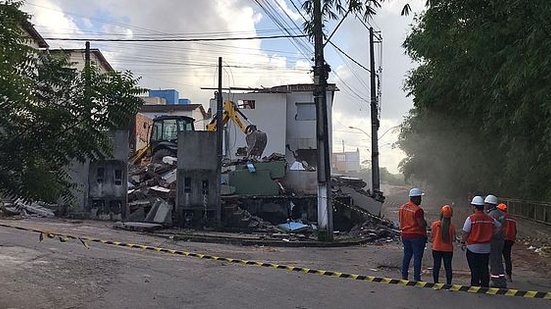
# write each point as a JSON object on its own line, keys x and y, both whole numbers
{"x": 354, "y": 128}
{"x": 367, "y": 134}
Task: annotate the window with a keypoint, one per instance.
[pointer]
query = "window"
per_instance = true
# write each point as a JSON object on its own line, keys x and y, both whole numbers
{"x": 246, "y": 104}
{"x": 185, "y": 125}
{"x": 306, "y": 111}
{"x": 170, "y": 130}
{"x": 187, "y": 185}
{"x": 100, "y": 174}
{"x": 118, "y": 177}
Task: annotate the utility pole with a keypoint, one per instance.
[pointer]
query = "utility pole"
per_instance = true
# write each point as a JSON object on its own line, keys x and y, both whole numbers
{"x": 325, "y": 211}
{"x": 87, "y": 67}
{"x": 219, "y": 137}
{"x": 375, "y": 180}
{"x": 342, "y": 146}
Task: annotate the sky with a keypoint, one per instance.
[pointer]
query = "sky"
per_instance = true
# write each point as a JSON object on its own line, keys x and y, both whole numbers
{"x": 188, "y": 66}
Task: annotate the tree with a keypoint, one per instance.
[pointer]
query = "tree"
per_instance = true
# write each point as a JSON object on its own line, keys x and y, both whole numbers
{"x": 335, "y": 9}
{"x": 52, "y": 115}
{"x": 482, "y": 98}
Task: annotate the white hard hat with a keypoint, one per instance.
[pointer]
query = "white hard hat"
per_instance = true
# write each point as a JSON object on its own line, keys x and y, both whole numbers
{"x": 415, "y": 192}
{"x": 477, "y": 201}
{"x": 491, "y": 199}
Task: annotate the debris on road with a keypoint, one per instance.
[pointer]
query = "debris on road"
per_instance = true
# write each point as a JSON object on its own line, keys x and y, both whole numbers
{"x": 29, "y": 209}
{"x": 375, "y": 230}
{"x": 137, "y": 226}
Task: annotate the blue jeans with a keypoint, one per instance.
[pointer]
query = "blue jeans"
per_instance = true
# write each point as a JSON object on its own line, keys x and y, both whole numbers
{"x": 413, "y": 247}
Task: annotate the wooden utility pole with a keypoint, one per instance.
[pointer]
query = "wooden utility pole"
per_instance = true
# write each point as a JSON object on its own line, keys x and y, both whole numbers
{"x": 375, "y": 180}
{"x": 325, "y": 211}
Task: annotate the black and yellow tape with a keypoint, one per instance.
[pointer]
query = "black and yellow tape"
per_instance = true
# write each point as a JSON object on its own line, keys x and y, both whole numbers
{"x": 420, "y": 284}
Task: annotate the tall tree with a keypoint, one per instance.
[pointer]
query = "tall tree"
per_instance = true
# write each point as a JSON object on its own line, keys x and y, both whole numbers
{"x": 50, "y": 115}
{"x": 482, "y": 98}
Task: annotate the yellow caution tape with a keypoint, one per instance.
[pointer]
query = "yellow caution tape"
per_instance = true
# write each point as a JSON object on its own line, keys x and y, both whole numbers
{"x": 420, "y": 284}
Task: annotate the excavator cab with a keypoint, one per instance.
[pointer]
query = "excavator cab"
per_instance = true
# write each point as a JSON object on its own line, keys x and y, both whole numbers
{"x": 163, "y": 140}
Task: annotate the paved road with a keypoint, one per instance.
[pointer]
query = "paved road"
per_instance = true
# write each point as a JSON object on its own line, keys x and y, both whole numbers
{"x": 67, "y": 275}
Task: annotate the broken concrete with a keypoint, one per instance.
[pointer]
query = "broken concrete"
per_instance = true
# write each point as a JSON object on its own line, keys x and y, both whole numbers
{"x": 137, "y": 226}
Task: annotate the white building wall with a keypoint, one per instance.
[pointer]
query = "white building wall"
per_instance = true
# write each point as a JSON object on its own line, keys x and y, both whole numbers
{"x": 269, "y": 116}
{"x": 301, "y": 134}
{"x": 77, "y": 61}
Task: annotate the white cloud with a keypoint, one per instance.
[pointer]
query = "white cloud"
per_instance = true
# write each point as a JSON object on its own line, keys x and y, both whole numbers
{"x": 189, "y": 66}
{"x": 286, "y": 9}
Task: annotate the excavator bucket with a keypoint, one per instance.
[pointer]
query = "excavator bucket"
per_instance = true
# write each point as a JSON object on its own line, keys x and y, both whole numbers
{"x": 256, "y": 143}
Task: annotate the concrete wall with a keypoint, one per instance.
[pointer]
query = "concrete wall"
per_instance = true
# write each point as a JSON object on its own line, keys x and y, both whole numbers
{"x": 269, "y": 116}
{"x": 198, "y": 183}
{"x": 88, "y": 192}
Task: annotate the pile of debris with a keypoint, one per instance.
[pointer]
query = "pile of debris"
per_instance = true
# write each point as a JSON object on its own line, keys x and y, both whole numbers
{"x": 375, "y": 230}
{"x": 242, "y": 219}
{"x": 28, "y": 209}
{"x": 152, "y": 191}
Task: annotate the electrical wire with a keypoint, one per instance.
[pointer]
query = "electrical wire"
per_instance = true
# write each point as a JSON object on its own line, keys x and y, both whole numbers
{"x": 266, "y": 37}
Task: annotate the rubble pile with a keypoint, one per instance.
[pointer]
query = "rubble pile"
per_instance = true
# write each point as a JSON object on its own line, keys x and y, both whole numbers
{"x": 241, "y": 218}
{"x": 28, "y": 209}
{"x": 152, "y": 191}
{"x": 375, "y": 230}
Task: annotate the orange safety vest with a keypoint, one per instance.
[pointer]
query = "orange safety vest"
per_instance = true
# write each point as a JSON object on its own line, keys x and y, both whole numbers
{"x": 510, "y": 228}
{"x": 408, "y": 222}
{"x": 438, "y": 243}
{"x": 482, "y": 228}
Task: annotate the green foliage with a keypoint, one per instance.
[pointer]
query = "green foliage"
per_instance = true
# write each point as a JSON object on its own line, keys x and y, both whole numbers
{"x": 335, "y": 9}
{"x": 482, "y": 98}
{"x": 51, "y": 115}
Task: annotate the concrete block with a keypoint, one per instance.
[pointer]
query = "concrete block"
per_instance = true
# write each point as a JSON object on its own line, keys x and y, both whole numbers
{"x": 259, "y": 183}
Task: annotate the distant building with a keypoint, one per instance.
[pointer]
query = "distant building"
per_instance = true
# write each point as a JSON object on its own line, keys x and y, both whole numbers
{"x": 34, "y": 39}
{"x": 184, "y": 101}
{"x": 154, "y": 100}
{"x": 345, "y": 162}
{"x": 170, "y": 95}
{"x": 77, "y": 58}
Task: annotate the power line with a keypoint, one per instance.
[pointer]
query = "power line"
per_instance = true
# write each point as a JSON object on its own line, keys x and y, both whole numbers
{"x": 349, "y": 57}
{"x": 273, "y": 15}
{"x": 176, "y": 39}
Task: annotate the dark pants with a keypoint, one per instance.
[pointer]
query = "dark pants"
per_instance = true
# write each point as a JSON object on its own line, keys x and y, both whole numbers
{"x": 497, "y": 271}
{"x": 438, "y": 256}
{"x": 478, "y": 263}
{"x": 507, "y": 257}
{"x": 413, "y": 247}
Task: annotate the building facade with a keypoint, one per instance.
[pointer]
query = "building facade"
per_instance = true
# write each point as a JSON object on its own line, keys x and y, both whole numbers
{"x": 345, "y": 162}
{"x": 287, "y": 114}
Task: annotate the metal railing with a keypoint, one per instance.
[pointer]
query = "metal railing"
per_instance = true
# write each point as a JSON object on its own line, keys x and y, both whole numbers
{"x": 532, "y": 210}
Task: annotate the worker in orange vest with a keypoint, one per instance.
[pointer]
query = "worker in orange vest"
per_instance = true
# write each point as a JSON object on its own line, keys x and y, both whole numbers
{"x": 443, "y": 236}
{"x": 413, "y": 229}
{"x": 510, "y": 238}
{"x": 478, "y": 231}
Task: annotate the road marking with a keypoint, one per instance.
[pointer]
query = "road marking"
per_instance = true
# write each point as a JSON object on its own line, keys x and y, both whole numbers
{"x": 419, "y": 284}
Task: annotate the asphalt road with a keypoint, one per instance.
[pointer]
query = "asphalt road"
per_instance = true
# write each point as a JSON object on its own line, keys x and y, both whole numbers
{"x": 52, "y": 274}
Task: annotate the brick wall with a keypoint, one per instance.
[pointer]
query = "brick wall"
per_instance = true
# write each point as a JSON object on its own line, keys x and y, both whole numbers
{"x": 143, "y": 129}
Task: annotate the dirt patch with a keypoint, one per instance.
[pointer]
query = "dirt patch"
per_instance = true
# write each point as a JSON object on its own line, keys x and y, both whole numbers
{"x": 56, "y": 282}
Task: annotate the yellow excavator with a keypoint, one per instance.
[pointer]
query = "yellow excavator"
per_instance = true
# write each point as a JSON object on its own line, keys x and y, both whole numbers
{"x": 256, "y": 140}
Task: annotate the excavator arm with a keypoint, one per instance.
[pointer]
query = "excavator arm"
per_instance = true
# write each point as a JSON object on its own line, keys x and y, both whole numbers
{"x": 256, "y": 139}
{"x": 230, "y": 112}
